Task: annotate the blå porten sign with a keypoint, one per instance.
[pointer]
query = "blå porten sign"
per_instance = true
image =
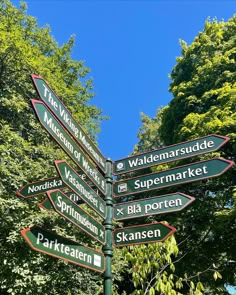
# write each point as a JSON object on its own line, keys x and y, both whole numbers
{"x": 152, "y": 206}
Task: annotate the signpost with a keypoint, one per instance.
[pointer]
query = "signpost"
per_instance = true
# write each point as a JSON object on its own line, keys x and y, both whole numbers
{"x": 65, "y": 117}
{"x": 76, "y": 184}
{"x": 171, "y": 153}
{"x": 152, "y": 206}
{"x": 183, "y": 174}
{"x": 54, "y": 128}
{"x": 54, "y": 245}
{"x": 142, "y": 234}
{"x": 59, "y": 123}
{"x": 76, "y": 215}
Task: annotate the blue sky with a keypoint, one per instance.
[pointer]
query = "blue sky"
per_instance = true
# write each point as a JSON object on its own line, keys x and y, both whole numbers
{"x": 130, "y": 47}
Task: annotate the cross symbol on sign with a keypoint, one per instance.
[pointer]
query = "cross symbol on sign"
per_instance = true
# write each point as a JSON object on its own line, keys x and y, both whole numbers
{"x": 119, "y": 211}
{"x": 101, "y": 234}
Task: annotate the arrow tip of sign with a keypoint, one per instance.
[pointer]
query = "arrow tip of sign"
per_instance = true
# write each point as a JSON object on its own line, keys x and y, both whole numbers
{"x": 23, "y": 231}
{"x": 59, "y": 161}
{"x": 20, "y": 195}
{"x": 34, "y": 101}
{"x": 36, "y": 76}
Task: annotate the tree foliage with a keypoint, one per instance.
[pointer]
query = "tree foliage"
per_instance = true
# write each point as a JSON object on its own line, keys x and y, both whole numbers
{"x": 201, "y": 257}
{"x": 204, "y": 98}
{"x": 28, "y": 153}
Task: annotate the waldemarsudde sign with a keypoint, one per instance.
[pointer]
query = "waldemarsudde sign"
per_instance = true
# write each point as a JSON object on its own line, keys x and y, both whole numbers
{"x": 171, "y": 153}
{"x": 142, "y": 234}
{"x": 76, "y": 215}
{"x": 152, "y": 206}
{"x": 54, "y": 128}
{"x": 65, "y": 117}
{"x": 182, "y": 174}
{"x": 57, "y": 246}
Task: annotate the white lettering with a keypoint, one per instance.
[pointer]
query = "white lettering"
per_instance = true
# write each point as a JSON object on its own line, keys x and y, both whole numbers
{"x": 158, "y": 155}
{"x": 137, "y": 236}
{"x": 169, "y": 178}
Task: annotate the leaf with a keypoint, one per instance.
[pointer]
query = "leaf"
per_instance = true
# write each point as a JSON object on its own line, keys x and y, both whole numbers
{"x": 151, "y": 291}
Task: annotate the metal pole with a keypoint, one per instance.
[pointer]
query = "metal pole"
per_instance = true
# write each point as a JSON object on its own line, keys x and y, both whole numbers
{"x": 107, "y": 248}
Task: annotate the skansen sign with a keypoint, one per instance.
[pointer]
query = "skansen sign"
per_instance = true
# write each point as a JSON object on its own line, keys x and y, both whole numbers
{"x": 142, "y": 234}
{"x": 170, "y": 153}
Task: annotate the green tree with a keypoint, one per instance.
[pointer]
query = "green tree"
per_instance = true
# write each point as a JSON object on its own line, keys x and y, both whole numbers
{"x": 204, "y": 98}
{"x": 28, "y": 153}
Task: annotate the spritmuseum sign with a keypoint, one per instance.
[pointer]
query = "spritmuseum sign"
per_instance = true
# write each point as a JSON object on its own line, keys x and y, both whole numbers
{"x": 64, "y": 206}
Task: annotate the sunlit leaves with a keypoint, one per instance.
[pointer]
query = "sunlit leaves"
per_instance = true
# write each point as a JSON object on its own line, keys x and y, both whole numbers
{"x": 204, "y": 99}
{"x": 202, "y": 77}
{"x": 152, "y": 267}
{"x": 28, "y": 153}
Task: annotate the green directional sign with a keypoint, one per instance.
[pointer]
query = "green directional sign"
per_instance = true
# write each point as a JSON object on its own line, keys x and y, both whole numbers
{"x": 57, "y": 246}
{"x": 54, "y": 128}
{"x": 42, "y": 186}
{"x": 152, "y": 206}
{"x": 76, "y": 215}
{"x": 46, "y": 204}
{"x": 76, "y": 184}
{"x": 75, "y": 198}
{"x": 142, "y": 234}
{"x": 183, "y": 174}
{"x": 65, "y": 117}
{"x": 171, "y": 153}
